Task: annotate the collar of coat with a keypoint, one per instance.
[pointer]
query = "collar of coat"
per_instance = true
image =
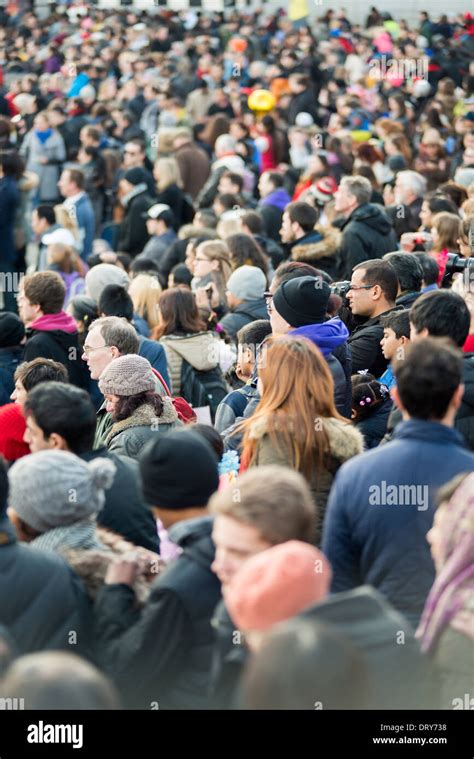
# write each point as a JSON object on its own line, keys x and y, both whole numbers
{"x": 137, "y": 190}
{"x": 345, "y": 440}
{"x": 144, "y": 416}
{"x": 310, "y": 251}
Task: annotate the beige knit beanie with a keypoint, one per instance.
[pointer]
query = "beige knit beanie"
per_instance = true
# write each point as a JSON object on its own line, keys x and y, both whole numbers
{"x": 127, "y": 375}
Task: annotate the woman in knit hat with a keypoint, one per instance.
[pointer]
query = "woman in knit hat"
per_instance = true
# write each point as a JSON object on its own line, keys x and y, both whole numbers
{"x": 53, "y": 502}
{"x": 296, "y": 423}
{"x": 446, "y": 630}
{"x": 138, "y": 412}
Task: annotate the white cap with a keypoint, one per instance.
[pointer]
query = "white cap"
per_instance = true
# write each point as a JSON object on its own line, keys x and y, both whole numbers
{"x": 155, "y": 211}
{"x": 304, "y": 119}
{"x": 63, "y": 236}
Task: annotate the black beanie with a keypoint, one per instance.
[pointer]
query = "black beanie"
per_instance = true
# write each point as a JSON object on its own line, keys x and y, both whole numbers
{"x": 302, "y": 301}
{"x": 135, "y": 176}
{"x": 178, "y": 470}
{"x": 12, "y": 330}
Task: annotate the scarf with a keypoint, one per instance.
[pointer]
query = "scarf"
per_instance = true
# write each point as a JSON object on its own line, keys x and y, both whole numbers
{"x": 450, "y": 602}
{"x": 43, "y": 136}
{"x": 137, "y": 190}
{"x": 78, "y": 535}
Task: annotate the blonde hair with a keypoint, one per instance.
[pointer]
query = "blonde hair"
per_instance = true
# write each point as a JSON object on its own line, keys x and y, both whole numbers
{"x": 216, "y": 250}
{"x": 64, "y": 257}
{"x": 66, "y": 220}
{"x": 232, "y": 225}
{"x": 145, "y": 291}
{"x": 168, "y": 172}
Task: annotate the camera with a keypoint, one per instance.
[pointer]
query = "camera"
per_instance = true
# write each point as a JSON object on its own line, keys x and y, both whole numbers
{"x": 340, "y": 288}
{"x": 456, "y": 264}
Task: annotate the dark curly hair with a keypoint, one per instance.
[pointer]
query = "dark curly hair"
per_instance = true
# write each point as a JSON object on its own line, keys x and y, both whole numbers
{"x": 128, "y": 404}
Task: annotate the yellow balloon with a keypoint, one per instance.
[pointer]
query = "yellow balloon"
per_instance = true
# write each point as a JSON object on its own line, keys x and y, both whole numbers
{"x": 262, "y": 101}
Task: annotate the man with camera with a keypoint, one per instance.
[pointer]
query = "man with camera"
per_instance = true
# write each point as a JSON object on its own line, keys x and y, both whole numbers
{"x": 372, "y": 293}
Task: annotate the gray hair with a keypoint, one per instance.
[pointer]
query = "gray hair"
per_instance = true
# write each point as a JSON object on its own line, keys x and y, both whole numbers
{"x": 359, "y": 187}
{"x": 117, "y": 332}
{"x": 414, "y": 181}
{"x": 225, "y": 143}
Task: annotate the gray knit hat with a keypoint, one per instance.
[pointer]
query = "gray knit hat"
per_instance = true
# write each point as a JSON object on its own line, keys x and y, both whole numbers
{"x": 56, "y": 488}
{"x": 127, "y": 375}
{"x": 247, "y": 283}
{"x": 102, "y": 275}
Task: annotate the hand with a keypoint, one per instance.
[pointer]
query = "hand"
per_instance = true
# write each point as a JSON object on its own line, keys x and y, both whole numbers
{"x": 202, "y": 301}
{"x": 407, "y": 242}
{"x": 240, "y": 374}
{"x": 123, "y": 571}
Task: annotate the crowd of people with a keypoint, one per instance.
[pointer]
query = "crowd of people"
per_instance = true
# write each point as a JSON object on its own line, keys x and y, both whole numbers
{"x": 236, "y": 359}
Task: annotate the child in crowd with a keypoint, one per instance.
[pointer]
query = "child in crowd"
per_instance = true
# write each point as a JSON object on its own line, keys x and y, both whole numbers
{"x": 249, "y": 339}
{"x": 396, "y": 335}
{"x": 371, "y": 405}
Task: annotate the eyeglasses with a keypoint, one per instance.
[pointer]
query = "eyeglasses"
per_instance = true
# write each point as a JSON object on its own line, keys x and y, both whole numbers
{"x": 361, "y": 287}
{"x": 88, "y": 349}
{"x": 201, "y": 259}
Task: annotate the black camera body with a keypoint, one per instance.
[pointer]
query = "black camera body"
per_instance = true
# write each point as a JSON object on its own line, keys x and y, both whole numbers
{"x": 340, "y": 288}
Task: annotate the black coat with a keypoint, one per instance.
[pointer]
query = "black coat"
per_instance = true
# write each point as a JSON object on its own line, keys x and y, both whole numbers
{"x": 10, "y": 358}
{"x": 271, "y": 217}
{"x": 364, "y": 342}
{"x": 366, "y": 234}
{"x": 173, "y": 197}
{"x": 465, "y": 417}
{"x": 229, "y": 657}
{"x": 399, "y": 677}
{"x": 374, "y": 426}
{"x": 132, "y": 234}
{"x": 125, "y": 512}
{"x": 164, "y": 654}
{"x": 41, "y": 599}
{"x": 60, "y": 346}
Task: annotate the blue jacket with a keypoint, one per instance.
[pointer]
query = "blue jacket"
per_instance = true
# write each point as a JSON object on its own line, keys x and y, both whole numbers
{"x": 86, "y": 223}
{"x": 331, "y": 339}
{"x": 370, "y": 539}
{"x": 155, "y": 353}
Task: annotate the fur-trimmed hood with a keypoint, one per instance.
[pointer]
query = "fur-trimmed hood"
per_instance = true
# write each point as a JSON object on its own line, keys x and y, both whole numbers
{"x": 144, "y": 416}
{"x": 345, "y": 440}
{"x": 92, "y": 565}
{"x": 314, "y": 250}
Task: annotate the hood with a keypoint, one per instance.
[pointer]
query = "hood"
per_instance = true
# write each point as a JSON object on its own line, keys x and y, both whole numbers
{"x": 256, "y": 308}
{"x": 61, "y": 322}
{"x": 199, "y": 350}
{"x": 372, "y": 216}
{"x": 428, "y": 432}
{"x": 231, "y": 162}
{"x": 323, "y": 242}
{"x": 345, "y": 440}
{"x": 327, "y": 336}
{"x": 278, "y": 198}
{"x": 194, "y": 537}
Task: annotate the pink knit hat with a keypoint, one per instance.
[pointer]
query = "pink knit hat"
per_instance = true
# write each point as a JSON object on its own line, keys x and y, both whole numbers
{"x": 277, "y": 584}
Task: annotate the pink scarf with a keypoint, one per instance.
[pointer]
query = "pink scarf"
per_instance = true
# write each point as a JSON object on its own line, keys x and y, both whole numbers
{"x": 450, "y": 602}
